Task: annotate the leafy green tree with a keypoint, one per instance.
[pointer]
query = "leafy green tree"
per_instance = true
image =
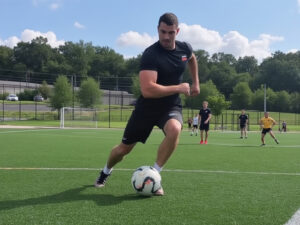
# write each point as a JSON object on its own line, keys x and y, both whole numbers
{"x": 89, "y": 94}
{"x": 247, "y": 64}
{"x": 295, "y": 102}
{"x": 241, "y": 96}
{"x": 217, "y": 104}
{"x": 225, "y": 58}
{"x": 282, "y": 102}
{"x": 135, "y": 88}
{"x": 62, "y": 93}
{"x": 280, "y": 72}
{"x": 206, "y": 89}
{"x": 44, "y": 90}
{"x": 257, "y": 102}
{"x": 78, "y": 56}
{"x": 27, "y": 95}
{"x": 34, "y": 55}
{"x": 224, "y": 77}
{"x": 6, "y": 57}
{"x": 258, "y": 99}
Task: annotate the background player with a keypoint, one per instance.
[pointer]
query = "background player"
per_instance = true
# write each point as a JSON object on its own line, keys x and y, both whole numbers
{"x": 283, "y": 129}
{"x": 195, "y": 125}
{"x": 161, "y": 69}
{"x": 266, "y": 123}
{"x": 204, "y": 117}
{"x": 243, "y": 124}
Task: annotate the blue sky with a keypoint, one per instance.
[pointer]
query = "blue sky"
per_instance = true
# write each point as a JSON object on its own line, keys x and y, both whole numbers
{"x": 239, "y": 27}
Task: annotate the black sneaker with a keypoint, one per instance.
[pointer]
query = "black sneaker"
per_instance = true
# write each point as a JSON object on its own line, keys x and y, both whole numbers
{"x": 263, "y": 144}
{"x": 277, "y": 142}
{"x": 100, "y": 182}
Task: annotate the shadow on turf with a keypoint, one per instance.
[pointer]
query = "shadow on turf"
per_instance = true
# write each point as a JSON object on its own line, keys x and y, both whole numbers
{"x": 71, "y": 195}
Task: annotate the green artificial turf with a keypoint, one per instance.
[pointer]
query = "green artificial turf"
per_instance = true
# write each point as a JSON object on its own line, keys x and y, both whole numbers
{"x": 47, "y": 177}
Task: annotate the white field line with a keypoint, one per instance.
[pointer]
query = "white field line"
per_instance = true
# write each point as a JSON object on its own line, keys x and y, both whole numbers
{"x": 266, "y": 146}
{"x": 26, "y": 131}
{"x": 165, "y": 170}
{"x": 295, "y": 220}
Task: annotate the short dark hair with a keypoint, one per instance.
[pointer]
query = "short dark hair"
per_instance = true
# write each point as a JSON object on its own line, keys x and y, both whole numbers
{"x": 169, "y": 19}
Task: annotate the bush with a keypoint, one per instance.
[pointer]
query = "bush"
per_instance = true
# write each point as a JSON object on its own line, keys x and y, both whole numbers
{"x": 27, "y": 95}
{"x": 3, "y": 95}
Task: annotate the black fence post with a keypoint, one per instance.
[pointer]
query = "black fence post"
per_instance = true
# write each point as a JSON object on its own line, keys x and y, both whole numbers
{"x": 20, "y": 109}
{"x": 108, "y": 108}
{"x": 3, "y": 103}
{"x": 35, "y": 111}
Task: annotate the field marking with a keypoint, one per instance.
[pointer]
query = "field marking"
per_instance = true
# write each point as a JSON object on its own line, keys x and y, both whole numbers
{"x": 266, "y": 146}
{"x": 165, "y": 170}
{"x": 295, "y": 220}
{"x": 29, "y": 130}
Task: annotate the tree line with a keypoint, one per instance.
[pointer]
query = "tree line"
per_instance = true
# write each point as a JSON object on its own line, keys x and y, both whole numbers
{"x": 225, "y": 80}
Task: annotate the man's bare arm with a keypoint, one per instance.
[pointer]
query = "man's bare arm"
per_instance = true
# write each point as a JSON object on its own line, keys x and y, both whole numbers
{"x": 150, "y": 89}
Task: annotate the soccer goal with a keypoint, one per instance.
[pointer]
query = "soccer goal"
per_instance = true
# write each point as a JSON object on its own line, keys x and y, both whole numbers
{"x": 78, "y": 117}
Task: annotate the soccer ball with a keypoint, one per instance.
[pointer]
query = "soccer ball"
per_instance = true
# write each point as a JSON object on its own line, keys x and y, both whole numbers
{"x": 146, "y": 180}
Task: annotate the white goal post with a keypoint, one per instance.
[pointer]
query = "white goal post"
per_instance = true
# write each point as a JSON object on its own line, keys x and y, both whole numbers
{"x": 78, "y": 117}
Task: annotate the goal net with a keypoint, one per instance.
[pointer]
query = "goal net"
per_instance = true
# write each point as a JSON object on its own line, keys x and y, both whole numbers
{"x": 78, "y": 117}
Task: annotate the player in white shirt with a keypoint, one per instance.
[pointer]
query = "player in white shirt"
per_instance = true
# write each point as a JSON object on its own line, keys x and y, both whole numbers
{"x": 195, "y": 126}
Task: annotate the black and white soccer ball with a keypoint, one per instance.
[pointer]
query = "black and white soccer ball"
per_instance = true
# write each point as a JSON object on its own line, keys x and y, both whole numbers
{"x": 146, "y": 180}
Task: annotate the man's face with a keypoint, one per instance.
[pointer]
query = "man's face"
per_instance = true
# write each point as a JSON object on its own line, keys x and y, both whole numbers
{"x": 243, "y": 112}
{"x": 204, "y": 104}
{"x": 266, "y": 114}
{"x": 167, "y": 35}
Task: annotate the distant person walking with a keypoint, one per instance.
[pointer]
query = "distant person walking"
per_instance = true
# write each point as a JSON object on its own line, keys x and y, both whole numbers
{"x": 195, "y": 125}
{"x": 283, "y": 126}
{"x": 243, "y": 124}
{"x": 266, "y": 123}
{"x": 204, "y": 117}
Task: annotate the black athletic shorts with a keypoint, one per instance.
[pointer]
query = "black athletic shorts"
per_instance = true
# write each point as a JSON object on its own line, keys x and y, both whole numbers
{"x": 265, "y": 130}
{"x": 195, "y": 126}
{"x": 242, "y": 126}
{"x": 204, "y": 126}
{"x": 142, "y": 122}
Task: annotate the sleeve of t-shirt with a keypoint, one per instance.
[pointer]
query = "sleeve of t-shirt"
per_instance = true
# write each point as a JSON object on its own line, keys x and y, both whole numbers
{"x": 148, "y": 61}
{"x": 189, "y": 50}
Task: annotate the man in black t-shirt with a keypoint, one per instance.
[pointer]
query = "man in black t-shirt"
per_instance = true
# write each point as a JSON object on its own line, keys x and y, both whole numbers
{"x": 204, "y": 117}
{"x": 161, "y": 69}
{"x": 243, "y": 124}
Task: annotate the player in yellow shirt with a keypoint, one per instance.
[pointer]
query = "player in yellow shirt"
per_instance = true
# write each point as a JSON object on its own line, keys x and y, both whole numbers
{"x": 266, "y": 123}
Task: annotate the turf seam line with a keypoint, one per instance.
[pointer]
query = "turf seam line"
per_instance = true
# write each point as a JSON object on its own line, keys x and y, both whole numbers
{"x": 165, "y": 170}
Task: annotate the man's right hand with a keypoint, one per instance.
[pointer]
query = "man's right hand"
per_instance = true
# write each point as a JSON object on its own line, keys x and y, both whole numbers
{"x": 184, "y": 88}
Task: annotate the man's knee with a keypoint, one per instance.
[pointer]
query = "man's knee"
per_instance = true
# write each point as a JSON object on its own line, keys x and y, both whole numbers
{"x": 173, "y": 128}
{"x": 124, "y": 149}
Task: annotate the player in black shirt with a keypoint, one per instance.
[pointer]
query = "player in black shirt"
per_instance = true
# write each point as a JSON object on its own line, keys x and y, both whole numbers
{"x": 162, "y": 66}
{"x": 243, "y": 124}
{"x": 204, "y": 117}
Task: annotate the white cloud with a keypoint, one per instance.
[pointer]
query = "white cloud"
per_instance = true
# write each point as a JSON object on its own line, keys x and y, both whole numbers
{"x": 28, "y": 35}
{"x": 78, "y": 25}
{"x": 54, "y": 6}
{"x": 293, "y": 50}
{"x": 10, "y": 42}
{"x": 134, "y": 39}
{"x": 211, "y": 41}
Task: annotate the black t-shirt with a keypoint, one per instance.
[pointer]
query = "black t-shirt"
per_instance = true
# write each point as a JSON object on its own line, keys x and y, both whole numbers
{"x": 243, "y": 119}
{"x": 169, "y": 65}
{"x": 204, "y": 113}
